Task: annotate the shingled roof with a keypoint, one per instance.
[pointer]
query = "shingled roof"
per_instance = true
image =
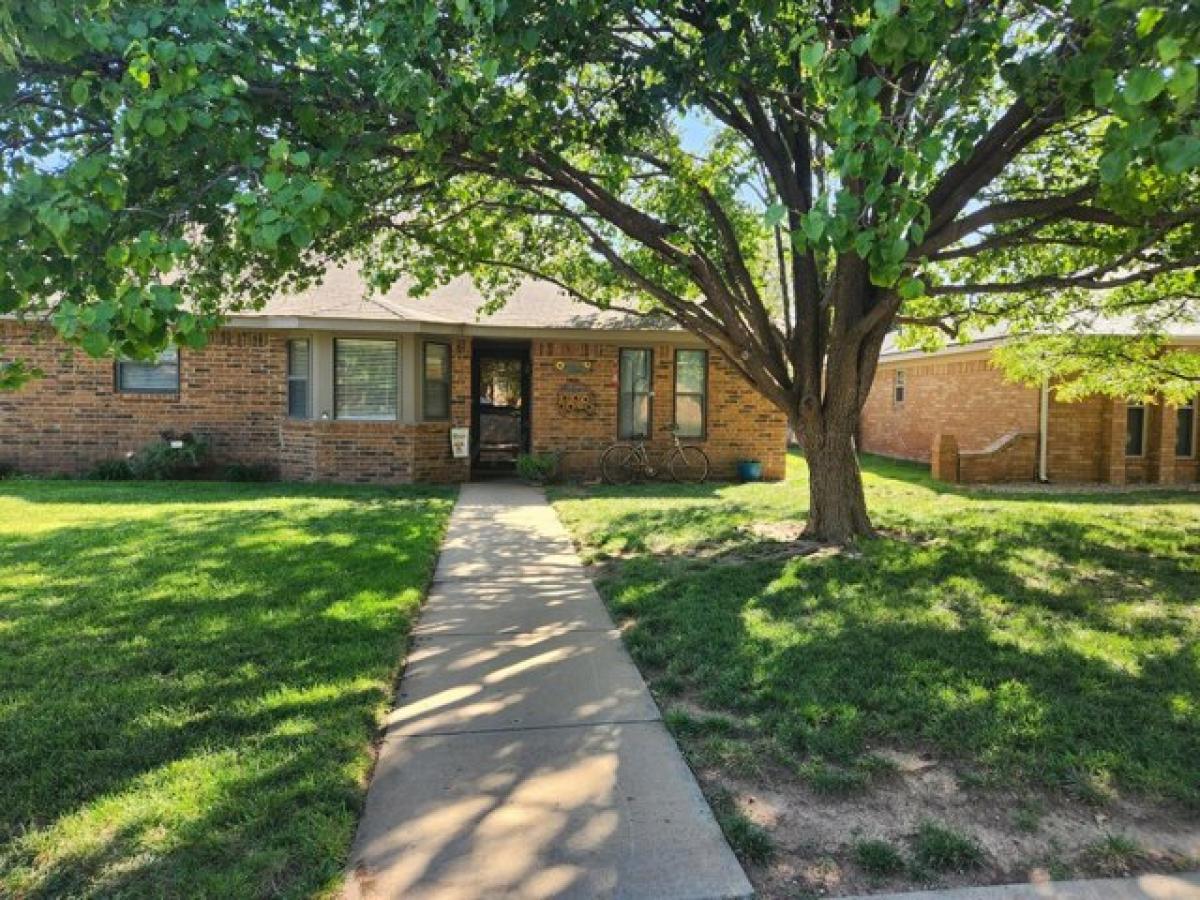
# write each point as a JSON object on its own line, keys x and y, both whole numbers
{"x": 344, "y": 295}
{"x": 1180, "y": 330}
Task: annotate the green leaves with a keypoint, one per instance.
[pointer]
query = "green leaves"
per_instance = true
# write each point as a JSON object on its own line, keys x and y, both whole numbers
{"x": 1148, "y": 17}
{"x": 1143, "y": 85}
{"x": 811, "y": 55}
{"x": 1180, "y": 153}
{"x": 522, "y": 137}
{"x": 80, "y": 91}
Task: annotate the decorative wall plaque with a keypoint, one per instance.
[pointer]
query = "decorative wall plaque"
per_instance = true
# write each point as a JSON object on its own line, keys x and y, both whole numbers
{"x": 576, "y": 400}
{"x": 574, "y": 366}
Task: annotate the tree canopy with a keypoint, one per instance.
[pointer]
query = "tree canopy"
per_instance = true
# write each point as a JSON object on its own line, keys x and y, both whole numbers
{"x": 789, "y": 180}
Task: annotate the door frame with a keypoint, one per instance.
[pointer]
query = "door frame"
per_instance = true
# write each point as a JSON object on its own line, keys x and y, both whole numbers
{"x": 499, "y": 349}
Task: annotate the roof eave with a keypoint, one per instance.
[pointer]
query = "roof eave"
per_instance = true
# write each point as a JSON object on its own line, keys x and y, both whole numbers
{"x": 408, "y": 326}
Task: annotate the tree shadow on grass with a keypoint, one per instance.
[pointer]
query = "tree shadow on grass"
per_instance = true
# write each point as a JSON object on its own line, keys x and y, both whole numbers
{"x": 967, "y": 644}
{"x": 186, "y": 699}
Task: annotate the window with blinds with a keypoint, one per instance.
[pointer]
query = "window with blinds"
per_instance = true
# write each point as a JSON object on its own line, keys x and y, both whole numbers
{"x": 435, "y": 381}
{"x": 160, "y": 376}
{"x": 299, "y": 395}
{"x": 691, "y": 392}
{"x": 365, "y": 379}
{"x": 633, "y": 407}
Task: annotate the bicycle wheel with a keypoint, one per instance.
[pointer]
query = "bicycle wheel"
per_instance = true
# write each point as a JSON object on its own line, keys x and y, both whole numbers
{"x": 619, "y": 464}
{"x": 689, "y": 464}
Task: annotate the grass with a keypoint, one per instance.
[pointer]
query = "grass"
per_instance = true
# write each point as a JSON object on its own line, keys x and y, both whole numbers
{"x": 942, "y": 849}
{"x": 749, "y": 840}
{"x": 1115, "y": 855}
{"x": 190, "y": 678}
{"x": 1045, "y": 641}
{"x": 878, "y": 859}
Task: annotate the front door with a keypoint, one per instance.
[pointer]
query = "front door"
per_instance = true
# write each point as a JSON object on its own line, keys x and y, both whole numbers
{"x": 500, "y": 383}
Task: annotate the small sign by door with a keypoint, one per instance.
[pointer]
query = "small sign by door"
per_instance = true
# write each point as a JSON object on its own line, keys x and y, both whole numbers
{"x": 460, "y": 442}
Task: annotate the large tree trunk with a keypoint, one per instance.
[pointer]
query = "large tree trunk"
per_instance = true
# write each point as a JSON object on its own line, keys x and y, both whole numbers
{"x": 837, "y": 511}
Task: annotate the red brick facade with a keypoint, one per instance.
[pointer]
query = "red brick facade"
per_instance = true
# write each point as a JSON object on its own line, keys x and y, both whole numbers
{"x": 234, "y": 394}
{"x": 741, "y": 423}
{"x": 959, "y": 413}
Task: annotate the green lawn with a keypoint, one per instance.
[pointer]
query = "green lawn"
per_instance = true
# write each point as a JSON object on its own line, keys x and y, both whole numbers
{"x": 190, "y": 678}
{"x": 1045, "y": 642}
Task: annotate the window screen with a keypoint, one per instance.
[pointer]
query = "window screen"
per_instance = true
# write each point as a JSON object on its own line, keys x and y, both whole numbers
{"x": 436, "y": 381}
{"x": 365, "y": 379}
{"x": 158, "y": 377}
{"x": 1185, "y": 430}
{"x": 633, "y": 413}
{"x": 299, "y": 369}
{"x": 691, "y": 389}
{"x": 1135, "y": 429}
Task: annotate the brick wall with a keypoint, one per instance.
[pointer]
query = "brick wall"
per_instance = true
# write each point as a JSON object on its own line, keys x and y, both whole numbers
{"x": 969, "y": 401}
{"x": 741, "y": 423}
{"x": 1010, "y": 459}
{"x": 967, "y": 398}
{"x": 232, "y": 392}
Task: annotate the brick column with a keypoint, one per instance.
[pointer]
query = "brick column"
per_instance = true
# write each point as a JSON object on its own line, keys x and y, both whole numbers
{"x": 460, "y": 382}
{"x": 1112, "y": 442}
{"x": 944, "y": 458}
{"x": 1163, "y": 424}
{"x": 460, "y": 401}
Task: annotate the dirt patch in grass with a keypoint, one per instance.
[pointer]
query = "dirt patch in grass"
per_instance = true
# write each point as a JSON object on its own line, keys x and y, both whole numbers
{"x": 825, "y": 844}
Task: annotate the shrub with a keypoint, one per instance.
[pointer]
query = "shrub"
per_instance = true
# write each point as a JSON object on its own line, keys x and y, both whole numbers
{"x": 170, "y": 458}
{"x": 878, "y": 858}
{"x": 259, "y": 471}
{"x": 110, "y": 470}
{"x": 945, "y": 850}
{"x": 7, "y": 469}
{"x": 538, "y": 468}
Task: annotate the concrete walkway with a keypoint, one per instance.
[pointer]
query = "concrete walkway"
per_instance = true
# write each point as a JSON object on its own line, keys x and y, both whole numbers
{"x": 1145, "y": 887}
{"x": 525, "y": 756}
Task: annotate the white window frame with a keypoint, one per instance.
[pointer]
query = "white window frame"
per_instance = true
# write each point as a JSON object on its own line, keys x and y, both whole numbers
{"x": 120, "y": 364}
{"x": 307, "y": 379}
{"x": 899, "y": 387}
{"x": 395, "y": 416}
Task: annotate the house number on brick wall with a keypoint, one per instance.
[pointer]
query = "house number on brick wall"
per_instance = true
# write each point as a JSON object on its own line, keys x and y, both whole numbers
{"x": 576, "y": 401}
{"x": 573, "y": 366}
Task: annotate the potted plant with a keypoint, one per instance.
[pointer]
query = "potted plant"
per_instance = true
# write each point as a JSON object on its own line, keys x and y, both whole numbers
{"x": 749, "y": 470}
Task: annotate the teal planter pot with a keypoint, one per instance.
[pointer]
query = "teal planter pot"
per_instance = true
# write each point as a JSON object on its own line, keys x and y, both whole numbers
{"x": 749, "y": 470}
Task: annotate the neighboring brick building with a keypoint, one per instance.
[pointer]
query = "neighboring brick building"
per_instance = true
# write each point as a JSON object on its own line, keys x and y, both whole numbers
{"x": 329, "y": 386}
{"x": 955, "y": 410}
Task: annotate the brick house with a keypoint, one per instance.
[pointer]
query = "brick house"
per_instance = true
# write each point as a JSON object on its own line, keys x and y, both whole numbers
{"x": 328, "y": 385}
{"x": 955, "y": 410}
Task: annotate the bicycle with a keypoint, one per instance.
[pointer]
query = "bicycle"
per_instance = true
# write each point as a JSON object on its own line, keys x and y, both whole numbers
{"x": 625, "y": 462}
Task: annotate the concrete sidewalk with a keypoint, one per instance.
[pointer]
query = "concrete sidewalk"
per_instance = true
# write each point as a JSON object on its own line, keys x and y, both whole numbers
{"x": 525, "y": 756}
{"x": 1145, "y": 887}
